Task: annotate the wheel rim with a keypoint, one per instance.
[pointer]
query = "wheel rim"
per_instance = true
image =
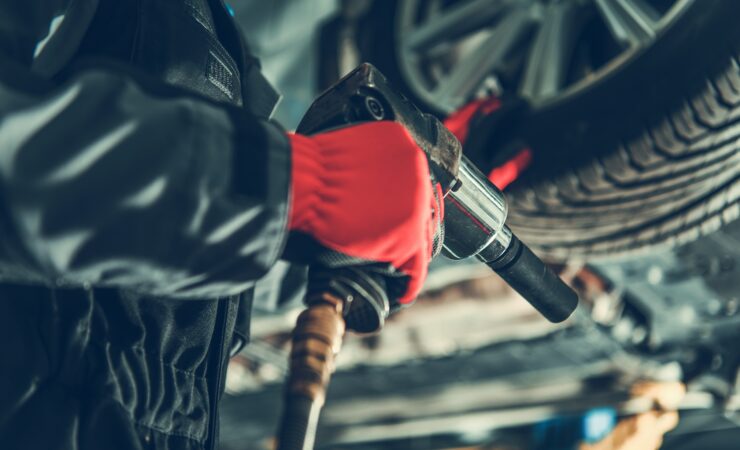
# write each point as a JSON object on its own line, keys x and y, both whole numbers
{"x": 542, "y": 50}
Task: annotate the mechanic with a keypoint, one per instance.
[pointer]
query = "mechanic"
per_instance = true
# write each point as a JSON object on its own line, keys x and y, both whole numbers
{"x": 144, "y": 191}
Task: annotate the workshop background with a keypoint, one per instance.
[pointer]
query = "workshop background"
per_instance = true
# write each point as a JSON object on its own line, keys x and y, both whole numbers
{"x": 631, "y": 112}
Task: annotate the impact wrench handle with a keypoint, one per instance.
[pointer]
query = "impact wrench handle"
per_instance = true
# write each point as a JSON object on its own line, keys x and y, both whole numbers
{"x": 475, "y": 209}
{"x": 355, "y": 299}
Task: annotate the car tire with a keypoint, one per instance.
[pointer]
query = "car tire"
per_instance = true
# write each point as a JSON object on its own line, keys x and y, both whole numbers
{"x": 646, "y": 156}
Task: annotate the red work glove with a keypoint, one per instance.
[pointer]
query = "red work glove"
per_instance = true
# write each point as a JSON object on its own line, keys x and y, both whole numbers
{"x": 365, "y": 192}
{"x": 460, "y": 123}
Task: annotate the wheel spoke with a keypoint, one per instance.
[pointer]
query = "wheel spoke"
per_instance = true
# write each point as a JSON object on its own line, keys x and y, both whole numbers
{"x": 450, "y": 49}
{"x": 631, "y": 22}
{"x": 547, "y": 65}
{"x": 460, "y": 85}
{"x": 455, "y": 22}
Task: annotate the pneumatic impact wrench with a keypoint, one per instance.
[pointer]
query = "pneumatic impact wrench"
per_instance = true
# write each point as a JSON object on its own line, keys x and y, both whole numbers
{"x": 474, "y": 226}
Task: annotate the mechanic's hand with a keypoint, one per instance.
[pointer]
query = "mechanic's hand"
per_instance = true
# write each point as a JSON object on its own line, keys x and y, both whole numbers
{"x": 645, "y": 431}
{"x": 365, "y": 192}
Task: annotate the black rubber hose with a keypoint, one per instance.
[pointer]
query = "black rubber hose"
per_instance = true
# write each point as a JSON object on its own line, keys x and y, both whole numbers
{"x": 535, "y": 281}
{"x": 298, "y": 427}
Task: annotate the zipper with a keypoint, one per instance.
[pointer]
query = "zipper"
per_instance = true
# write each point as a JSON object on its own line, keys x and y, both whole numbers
{"x": 218, "y": 8}
{"x": 222, "y": 318}
{"x": 134, "y": 51}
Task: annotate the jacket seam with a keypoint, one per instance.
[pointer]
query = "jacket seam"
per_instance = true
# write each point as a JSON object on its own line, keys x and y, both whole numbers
{"x": 158, "y": 357}
{"x": 152, "y": 355}
{"x": 166, "y": 432}
{"x": 288, "y": 193}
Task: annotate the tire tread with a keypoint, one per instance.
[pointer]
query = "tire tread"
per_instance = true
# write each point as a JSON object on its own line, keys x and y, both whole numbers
{"x": 679, "y": 176}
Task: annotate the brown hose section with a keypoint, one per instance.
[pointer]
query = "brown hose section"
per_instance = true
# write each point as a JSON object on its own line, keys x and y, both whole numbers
{"x": 317, "y": 338}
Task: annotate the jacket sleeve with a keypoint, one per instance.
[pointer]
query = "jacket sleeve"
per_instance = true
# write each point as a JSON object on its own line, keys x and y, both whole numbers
{"x": 113, "y": 180}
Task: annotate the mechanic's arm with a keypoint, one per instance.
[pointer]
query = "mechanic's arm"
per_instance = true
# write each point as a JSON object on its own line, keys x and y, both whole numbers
{"x": 107, "y": 182}
{"x": 104, "y": 182}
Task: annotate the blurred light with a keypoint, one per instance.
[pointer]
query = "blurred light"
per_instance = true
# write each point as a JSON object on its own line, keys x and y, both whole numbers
{"x": 598, "y": 423}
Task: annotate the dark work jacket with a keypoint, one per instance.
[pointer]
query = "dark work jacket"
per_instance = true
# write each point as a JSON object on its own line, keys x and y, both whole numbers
{"x": 143, "y": 192}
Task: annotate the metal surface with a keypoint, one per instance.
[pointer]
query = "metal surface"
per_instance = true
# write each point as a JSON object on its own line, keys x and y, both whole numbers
{"x": 450, "y": 52}
{"x": 475, "y": 216}
{"x": 498, "y": 355}
{"x": 680, "y": 299}
{"x": 474, "y": 222}
{"x": 473, "y": 422}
